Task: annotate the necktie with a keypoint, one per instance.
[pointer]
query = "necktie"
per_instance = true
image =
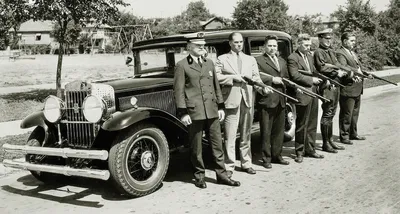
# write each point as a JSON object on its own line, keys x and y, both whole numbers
{"x": 276, "y": 62}
{"x": 199, "y": 62}
{"x": 239, "y": 63}
{"x": 306, "y": 61}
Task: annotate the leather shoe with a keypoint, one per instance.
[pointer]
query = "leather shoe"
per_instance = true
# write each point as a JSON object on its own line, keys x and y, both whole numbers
{"x": 358, "y": 137}
{"x": 249, "y": 171}
{"x": 329, "y": 150}
{"x": 314, "y": 155}
{"x": 299, "y": 158}
{"x": 267, "y": 165}
{"x": 335, "y": 146}
{"x": 200, "y": 184}
{"x": 228, "y": 181}
{"x": 281, "y": 161}
{"x": 229, "y": 173}
{"x": 348, "y": 142}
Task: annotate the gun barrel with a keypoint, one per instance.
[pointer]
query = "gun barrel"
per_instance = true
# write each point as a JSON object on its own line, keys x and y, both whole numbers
{"x": 306, "y": 91}
{"x": 319, "y": 75}
{"x": 380, "y": 78}
{"x": 260, "y": 84}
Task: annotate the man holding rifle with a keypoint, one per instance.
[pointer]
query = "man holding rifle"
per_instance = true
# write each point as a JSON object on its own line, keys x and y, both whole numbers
{"x": 231, "y": 68}
{"x": 350, "y": 95}
{"x": 272, "y": 107}
{"x": 307, "y": 107}
{"x": 323, "y": 57}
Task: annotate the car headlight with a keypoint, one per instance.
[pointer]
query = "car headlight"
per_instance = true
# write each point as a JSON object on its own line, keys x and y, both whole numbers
{"x": 94, "y": 108}
{"x": 52, "y": 108}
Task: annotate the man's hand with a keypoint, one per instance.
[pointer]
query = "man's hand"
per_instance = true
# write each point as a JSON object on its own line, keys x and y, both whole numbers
{"x": 316, "y": 80}
{"x": 186, "y": 120}
{"x": 357, "y": 79}
{"x": 267, "y": 90}
{"x": 341, "y": 73}
{"x": 238, "y": 78}
{"x": 277, "y": 80}
{"x": 221, "y": 115}
{"x": 299, "y": 90}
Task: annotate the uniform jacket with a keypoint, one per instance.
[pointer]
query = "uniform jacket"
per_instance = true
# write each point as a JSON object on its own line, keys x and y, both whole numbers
{"x": 295, "y": 63}
{"x": 233, "y": 92}
{"x": 266, "y": 66}
{"x": 352, "y": 88}
{"x": 196, "y": 89}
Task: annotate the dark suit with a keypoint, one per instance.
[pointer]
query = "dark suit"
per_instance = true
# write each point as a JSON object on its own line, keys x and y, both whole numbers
{"x": 307, "y": 108}
{"x": 198, "y": 94}
{"x": 350, "y": 97}
{"x": 272, "y": 109}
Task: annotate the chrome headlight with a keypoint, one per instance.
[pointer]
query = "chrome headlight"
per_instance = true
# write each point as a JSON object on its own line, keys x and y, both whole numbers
{"x": 94, "y": 108}
{"x": 52, "y": 108}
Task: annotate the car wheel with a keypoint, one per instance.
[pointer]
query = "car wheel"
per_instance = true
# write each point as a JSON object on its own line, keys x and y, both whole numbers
{"x": 37, "y": 139}
{"x": 138, "y": 160}
{"x": 290, "y": 122}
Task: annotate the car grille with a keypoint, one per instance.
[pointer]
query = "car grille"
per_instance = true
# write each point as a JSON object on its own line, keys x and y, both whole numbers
{"x": 79, "y": 132}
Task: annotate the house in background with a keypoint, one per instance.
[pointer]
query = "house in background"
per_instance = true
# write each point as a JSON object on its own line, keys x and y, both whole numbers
{"x": 213, "y": 23}
{"x": 35, "y": 33}
{"x": 98, "y": 35}
{"x": 328, "y": 22}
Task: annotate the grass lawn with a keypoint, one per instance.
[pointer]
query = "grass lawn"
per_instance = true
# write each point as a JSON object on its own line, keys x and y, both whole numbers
{"x": 13, "y": 139}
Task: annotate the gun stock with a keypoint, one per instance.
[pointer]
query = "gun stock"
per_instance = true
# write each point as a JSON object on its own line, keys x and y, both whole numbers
{"x": 260, "y": 84}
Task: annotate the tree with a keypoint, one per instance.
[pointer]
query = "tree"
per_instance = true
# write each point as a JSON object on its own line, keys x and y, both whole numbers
{"x": 261, "y": 14}
{"x": 78, "y": 11}
{"x": 357, "y": 15}
{"x": 195, "y": 12}
{"x": 12, "y": 14}
{"x": 389, "y": 31}
{"x": 71, "y": 36}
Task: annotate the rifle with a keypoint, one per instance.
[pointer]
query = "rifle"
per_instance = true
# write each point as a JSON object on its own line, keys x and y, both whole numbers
{"x": 321, "y": 76}
{"x": 260, "y": 84}
{"x": 306, "y": 91}
{"x": 380, "y": 78}
{"x": 361, "y": 75}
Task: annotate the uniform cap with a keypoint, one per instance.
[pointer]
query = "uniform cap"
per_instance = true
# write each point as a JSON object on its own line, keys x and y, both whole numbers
{"x": 328, "y": 31}
{"x": 196, "y": 38}
{"x": 198, "y": 41}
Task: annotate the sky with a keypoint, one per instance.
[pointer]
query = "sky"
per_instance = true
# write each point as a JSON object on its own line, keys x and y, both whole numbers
{"x": 225, "y": 8}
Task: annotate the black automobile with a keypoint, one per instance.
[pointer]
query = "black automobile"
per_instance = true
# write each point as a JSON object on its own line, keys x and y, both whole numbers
{"x": 124, "y": 130}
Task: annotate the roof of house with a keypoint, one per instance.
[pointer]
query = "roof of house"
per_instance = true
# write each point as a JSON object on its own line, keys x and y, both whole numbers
{"x": 203, "y": 23}
{"x": 36, "y": 26}
{"x": 329, "y": 19}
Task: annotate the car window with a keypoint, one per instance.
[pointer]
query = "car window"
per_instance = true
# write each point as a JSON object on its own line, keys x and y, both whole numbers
{"x": 257, "y": 48}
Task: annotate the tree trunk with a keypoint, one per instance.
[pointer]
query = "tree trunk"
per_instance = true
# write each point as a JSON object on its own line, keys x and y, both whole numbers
{"x": 59, "y": 66}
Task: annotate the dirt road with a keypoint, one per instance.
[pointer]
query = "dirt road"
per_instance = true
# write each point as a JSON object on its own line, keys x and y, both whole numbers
{"x": 364, "y": 178}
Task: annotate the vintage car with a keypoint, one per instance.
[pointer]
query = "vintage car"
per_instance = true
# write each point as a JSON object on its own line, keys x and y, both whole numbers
{"x": 124, "y": 130}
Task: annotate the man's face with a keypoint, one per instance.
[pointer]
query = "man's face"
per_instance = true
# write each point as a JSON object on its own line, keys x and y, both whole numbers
{"x": 271, "y": 47}
{"x": 196, "y": 49}
{"x": 350, "y": 43}
{"x": 326, "y": 40}
{"x": 236, "y": 43}
{"x": 304, "y": 46}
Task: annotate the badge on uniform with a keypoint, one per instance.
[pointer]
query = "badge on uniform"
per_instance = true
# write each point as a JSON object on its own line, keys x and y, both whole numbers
{"x": 211, "y": 73}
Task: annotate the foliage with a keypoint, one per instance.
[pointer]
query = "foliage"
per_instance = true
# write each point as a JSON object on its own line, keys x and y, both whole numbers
{"x": 261, "y": 14}
{"x": 71, "y": 36}
{"x": 78, "y": 11}
{"x": 370, "y": 51}
{"x": 357, "y": 16}
{"x": 194, "y": 13}
{"x": 389, "y": 32}
{"x": 12, "y": 14}
{"x": 37, "y": 49}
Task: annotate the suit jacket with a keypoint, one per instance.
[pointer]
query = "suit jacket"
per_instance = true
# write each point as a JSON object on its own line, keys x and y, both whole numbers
{"x": 266, "y": 66}
{"x": 295, "y": 63}
{"x": 196, "y": 89}
{"x": 233, "y": 92}
{"x": 351, "y": 89}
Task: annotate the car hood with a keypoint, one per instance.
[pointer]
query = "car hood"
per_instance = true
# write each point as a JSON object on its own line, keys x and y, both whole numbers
{"x": 131, "y": 84}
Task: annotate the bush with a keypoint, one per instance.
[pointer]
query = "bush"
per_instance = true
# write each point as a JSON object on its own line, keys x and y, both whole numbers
{"x": 370, "y": 51}
{"x": 37, "y": 49}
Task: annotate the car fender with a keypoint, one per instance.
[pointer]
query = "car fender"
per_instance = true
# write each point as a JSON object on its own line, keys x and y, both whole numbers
{"x": 34, "y": 119}
{"x": 122, "y": 120}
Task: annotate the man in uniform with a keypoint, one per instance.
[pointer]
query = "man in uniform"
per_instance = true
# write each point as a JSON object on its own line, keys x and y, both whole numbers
{"x": 307, "y": 108}
{"x": 200, "y": 106}
{"x": 238, "y": 97}
{"x": 272, "y": 107}
{"x": 322, "y": 56}
{"x": 350, "y": 95}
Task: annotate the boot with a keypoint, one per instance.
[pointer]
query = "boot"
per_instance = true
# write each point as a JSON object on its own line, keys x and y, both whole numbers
{"x": 333, "y": 144}
{"x": 326, "y": 146}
